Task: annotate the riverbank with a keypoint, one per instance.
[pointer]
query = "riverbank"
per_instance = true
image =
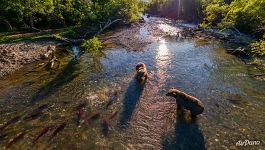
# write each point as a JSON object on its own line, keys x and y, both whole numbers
{"x": 26, "y": 48}
{"x": 16, "y": 55}
{"x": 29, "y": 47}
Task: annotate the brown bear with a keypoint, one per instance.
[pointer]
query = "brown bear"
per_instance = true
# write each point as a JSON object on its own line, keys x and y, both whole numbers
{"x": 186, "y": 101}
{"x": 141, "y": 74}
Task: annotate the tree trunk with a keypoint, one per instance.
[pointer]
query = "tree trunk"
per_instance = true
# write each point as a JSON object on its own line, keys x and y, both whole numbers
{"x": 31, "y": 23}
{"x": 8, "y": 24}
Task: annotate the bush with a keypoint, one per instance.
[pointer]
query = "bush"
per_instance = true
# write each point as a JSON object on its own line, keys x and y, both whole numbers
{"x": 68, "y": 34}
{"x": 92, "y": 45}
{"x": 258, "y": 48}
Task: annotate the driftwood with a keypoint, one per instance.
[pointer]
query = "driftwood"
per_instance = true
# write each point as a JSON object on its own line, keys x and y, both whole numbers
{"x": 108, "y": 24}
{"x": 236, "y": 30}
{"x": 259, "y": 75}
{"x": 82, "y": 39}
{"x": 7, "y": 23}
{"x": 238, "y": 51}
{"x": 111, "y": 37}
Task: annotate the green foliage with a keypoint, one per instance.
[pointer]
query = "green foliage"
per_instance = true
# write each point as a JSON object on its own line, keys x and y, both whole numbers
{"x": 244, "y": 14}
{"x": 68, "y": 33}
{"x": 258, "y": 48}
{"x": 23, "y": 14}
{"x": 214, "y": 11}
{"x": 92, "y": 45}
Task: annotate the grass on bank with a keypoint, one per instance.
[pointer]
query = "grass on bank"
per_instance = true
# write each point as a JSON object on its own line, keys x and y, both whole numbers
{"x": 11, "y": 37}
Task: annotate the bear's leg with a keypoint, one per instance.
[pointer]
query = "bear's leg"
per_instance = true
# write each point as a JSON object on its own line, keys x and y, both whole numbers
{"x": 193, "y": 114}
{"x": 179, "y": 109}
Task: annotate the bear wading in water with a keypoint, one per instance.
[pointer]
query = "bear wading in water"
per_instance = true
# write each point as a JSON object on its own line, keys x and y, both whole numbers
{"x": 186, "y": 101}
{"x": 141, "y": 74}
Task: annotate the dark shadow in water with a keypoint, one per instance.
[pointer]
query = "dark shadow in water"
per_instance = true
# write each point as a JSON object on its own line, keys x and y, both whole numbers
{"x": 65, "y": 76}
{"x": 131, "y": 98}
{"x": 187, "y": 136}
{"x": 68, "y": 73}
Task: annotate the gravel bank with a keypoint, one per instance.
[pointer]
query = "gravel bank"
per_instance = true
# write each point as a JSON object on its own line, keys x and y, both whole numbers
{"x": 15, "y": 55}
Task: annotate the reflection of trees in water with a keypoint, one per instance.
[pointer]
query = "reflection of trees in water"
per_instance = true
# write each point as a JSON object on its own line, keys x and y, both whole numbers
{"x": 95, "y": 61}
{"x": 67, "y": 74}
{"x": 202, "y": 42}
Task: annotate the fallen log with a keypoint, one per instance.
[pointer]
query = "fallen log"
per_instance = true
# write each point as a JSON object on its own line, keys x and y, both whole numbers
{"x": 108, "y": 24}
{"x": 7, "y": 23}
{"x": 238, "y": 51}
{"x": 82, "y": 39}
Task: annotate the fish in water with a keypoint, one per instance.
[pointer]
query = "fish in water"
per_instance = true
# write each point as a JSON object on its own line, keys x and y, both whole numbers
{"x": 93, "y": 117}
{"x": 12, "y": 121}
{"x": 33, "y": 115}
{"x": 17, "y": 138}
{"x": 72, "y": 147}
{"x": 80, "y": 115}
{"x": 234, "y": 101}
{"x": 42, "y": 107}
{"x": 41, "y": 133}
{"x": 104, "y": 127}
{"x": 36, "y": 112}
{"x": 113, "y": 115}
{"x": 58, "y": 129}
{"x": 112, "y": 99}
{"x": 80, "y": 106}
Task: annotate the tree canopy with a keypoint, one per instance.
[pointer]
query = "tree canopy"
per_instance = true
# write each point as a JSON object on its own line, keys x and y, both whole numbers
{"x": 21, "y": 14}
{"x": 246, "y": 15}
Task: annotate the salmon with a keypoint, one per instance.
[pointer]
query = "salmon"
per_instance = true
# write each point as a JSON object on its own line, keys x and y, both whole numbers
{"x": 58, "y": 129}
{"x": 80, "y": 106}
{"x": 93, "y": 117}
{"x": 80, "y": 115}
{"x": 17, "y": 138}
{"x": 112, "y": 99}
{"x": 12, "y": 121}
{"x": 33, "y": 115}
{"x": 36, "y": 112}
{"x": 41, "y": 133}
{"x": 113, "y": 115}
{"x": 104, "y": 127}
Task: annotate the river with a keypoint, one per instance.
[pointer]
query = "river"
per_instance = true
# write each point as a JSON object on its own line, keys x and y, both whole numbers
{"x": 146, "y": 118}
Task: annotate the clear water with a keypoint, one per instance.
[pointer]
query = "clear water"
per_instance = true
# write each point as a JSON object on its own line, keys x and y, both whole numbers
{"x": 147, "y": 119}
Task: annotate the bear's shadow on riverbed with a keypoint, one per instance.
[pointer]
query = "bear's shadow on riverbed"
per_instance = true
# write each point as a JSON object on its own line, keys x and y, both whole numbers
{"x": 131, "y": 97}
{"x": 187, "y": 136}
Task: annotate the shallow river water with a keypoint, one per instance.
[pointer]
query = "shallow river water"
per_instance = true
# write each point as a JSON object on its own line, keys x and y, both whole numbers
{"x": 94, "y": 102}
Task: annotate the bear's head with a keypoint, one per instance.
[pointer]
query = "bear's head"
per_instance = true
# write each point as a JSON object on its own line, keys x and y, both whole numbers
{"x": 173, "y": 92}
{"x": 140, "y": 65}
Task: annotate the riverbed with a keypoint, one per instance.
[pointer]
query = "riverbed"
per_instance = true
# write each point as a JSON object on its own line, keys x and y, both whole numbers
{"x": 138, "y": 117}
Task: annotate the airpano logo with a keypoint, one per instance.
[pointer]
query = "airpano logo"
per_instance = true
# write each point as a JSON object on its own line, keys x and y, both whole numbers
{"x": 247, "y": 143}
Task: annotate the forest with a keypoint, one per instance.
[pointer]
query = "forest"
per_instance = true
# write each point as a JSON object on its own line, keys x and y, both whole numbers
{"x": 33, "y": 15}
{"x": 241, "y": 15}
